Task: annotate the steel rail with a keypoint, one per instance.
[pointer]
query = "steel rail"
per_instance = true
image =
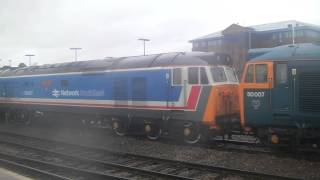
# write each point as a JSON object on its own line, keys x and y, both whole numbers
{"x": 34, "y": 164}
{"x": 97, "y": 162}
{"x": 215, "y": 169}
{"x": 11, "y": 165}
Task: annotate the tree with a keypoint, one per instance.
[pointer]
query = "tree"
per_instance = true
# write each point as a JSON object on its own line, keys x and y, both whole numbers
{"x": 5, "y": 67}
{"x": 21, "y": 65}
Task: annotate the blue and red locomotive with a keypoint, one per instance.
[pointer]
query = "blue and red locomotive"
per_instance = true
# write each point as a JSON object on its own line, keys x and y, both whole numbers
{"x": 180, "y": 94}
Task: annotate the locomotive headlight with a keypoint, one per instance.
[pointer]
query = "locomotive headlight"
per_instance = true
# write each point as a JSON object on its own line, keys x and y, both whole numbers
{"x": 147, "y": 128}
{"x": 115, "y": 125}
{"x": 274, "y": 139}
{"x": 187, "y": 131}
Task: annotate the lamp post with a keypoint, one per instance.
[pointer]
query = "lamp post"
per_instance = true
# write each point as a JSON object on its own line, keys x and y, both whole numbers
{"x": 75, "y": 53}
{"x": 293, "y": 35}
{"x": 144, "y": 44}
{"x": 29, "y": 55}
{"x": 291, "y": 27}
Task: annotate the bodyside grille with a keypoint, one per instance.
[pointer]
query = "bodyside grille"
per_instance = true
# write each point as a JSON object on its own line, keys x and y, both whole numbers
{"x": 309, "y": 92}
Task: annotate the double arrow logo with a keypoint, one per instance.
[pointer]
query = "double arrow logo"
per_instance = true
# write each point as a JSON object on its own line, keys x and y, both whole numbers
{"x": 56, "y": 93}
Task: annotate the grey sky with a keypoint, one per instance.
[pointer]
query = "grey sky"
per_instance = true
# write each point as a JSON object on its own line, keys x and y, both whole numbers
{"x": 48, "y": 28}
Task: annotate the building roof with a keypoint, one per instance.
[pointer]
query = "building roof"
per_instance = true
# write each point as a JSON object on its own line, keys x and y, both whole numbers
{"x": 283, "y": 25}
{"x": 289, "y": 52}
{"x": 209, "y": 36}
{"x": 280, "y": 25}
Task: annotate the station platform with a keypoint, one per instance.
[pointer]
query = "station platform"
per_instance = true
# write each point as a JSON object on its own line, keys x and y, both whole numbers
{"x": 10, "y": 175}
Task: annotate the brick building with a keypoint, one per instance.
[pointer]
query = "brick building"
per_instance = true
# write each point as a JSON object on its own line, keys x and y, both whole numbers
{"x": 237, "y": 40}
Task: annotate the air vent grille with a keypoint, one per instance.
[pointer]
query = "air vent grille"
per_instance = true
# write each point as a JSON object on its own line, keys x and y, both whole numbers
{"x": 309, "y": 92}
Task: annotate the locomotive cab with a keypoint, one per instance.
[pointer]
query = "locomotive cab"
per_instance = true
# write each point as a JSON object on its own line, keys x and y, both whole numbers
{"x": 218, "y": 103}
{"x": 265, "y": 94}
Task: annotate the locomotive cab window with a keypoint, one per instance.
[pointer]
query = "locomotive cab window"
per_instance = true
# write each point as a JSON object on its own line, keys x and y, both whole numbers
{"x": 261, "y": 73}
{"x": 281, "y": 74}
{"x": 231, "y": 75}
{"x": 218, "y": 74}
{"x": 249, "y": 74}
{"x": 193, "y": 75}
{"x": 203, "y": 76}
{"x": 176, "y": 76}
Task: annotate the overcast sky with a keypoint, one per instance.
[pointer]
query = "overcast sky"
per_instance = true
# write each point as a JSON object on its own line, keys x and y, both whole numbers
{"x": 104, "y": 28}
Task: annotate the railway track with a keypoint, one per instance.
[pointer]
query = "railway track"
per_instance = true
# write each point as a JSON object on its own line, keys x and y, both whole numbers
{"x": 70, "y": 161}
{"x": 39, "y": 169}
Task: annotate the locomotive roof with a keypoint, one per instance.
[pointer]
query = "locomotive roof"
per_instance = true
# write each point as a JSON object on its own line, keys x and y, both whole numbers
{"x": 154, "y": 60}
{"x": 288, "y": 52}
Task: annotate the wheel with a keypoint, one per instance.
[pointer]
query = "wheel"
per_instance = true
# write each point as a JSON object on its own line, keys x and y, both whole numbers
{"x": 153, "y": 132}
{"x": 191, "y": 134}
{"x": 14, "y": 117}
{"x": 119, "y": 128}
{"x": 21, "y": 117}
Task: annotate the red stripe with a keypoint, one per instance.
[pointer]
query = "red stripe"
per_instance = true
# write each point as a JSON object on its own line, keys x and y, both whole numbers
{"x": 193, "y": 97}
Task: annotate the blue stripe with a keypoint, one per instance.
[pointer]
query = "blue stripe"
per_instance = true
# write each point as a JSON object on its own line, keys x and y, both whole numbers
{"x": 144, "y": 85}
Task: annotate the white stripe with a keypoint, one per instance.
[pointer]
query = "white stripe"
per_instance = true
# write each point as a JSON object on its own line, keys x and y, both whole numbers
{"x": 87, "y": 101}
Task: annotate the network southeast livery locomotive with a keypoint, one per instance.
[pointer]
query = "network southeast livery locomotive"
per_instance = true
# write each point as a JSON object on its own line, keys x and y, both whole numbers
{"x": 280, "y": 95}
{"x": 180, "y": 94}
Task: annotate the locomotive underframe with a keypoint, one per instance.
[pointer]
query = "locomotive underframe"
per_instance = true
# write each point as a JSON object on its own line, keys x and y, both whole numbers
{"x": 289, "y": 136}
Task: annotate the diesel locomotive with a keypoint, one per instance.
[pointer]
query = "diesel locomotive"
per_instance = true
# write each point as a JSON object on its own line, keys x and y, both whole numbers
{"x": 183, "y": 95}
{"x": 280, "y": 95}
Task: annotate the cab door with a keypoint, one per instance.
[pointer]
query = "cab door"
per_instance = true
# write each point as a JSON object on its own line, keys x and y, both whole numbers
{"x": 280, "y": 91}
{"x": 178, "y": 88}
{"x": 280, "y": 95}
{"x": 256, "y": 94}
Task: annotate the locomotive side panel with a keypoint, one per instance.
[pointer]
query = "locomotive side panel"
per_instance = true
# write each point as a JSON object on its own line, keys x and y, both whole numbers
{"x": 125, "y": 90}
{"x": 306, "y": 93}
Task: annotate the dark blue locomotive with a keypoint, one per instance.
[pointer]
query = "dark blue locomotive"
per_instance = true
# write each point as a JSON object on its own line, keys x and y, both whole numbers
{"x": 280, "y": 95}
